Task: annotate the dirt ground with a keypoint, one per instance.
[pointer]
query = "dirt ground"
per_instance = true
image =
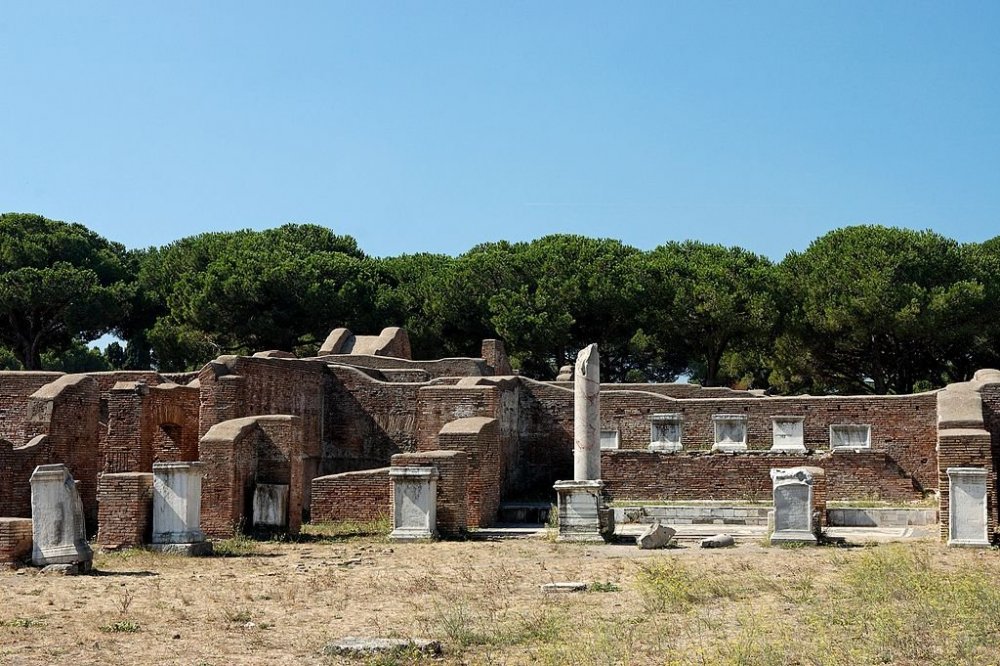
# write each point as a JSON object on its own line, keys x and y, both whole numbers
{"x": 284, "y": 601}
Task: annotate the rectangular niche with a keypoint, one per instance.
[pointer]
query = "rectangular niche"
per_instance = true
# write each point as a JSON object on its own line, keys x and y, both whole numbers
{"x": 609, "y": 440}
{"x": 850, "y": 436}
{"x": 730, "y": 432}
{"x": 665, "y": 432}
{"x": 788, "y": 433}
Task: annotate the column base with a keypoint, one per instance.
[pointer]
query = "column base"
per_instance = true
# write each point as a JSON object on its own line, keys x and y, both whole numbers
{"x": 580, "y": 512}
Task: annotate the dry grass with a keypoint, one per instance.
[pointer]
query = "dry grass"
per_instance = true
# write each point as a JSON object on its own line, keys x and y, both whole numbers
{"x": 281, "y": 602}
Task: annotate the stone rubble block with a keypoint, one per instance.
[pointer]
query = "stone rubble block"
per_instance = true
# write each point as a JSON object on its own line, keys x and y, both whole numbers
{"x": 655, "y": 536}
{"x": 353, "y": 646}
{"x": 718, "y": 541}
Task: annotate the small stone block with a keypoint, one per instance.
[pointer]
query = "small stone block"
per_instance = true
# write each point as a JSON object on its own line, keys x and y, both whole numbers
{"x": 356, "y": 647}
{"x": 564, "y": 587}
{"x": 197, "y": 549}
{"x": 655, "y": 536}
{"x": 718, "y": 541}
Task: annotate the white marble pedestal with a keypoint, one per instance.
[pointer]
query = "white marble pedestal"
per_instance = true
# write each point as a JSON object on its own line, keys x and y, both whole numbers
{"x": 580, "y": 511}
{"x": 177, "y": 509}
{"x": 414, "y": 511}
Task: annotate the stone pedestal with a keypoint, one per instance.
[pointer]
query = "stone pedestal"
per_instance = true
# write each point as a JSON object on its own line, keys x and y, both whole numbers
{"x": 967, "y": 507}
{"x": 798, "y": 504}
{"x": 270, "y": 505}
{"x": 580, "y": 510}
{"x": 414, "y": 511}
{"x": 177, "y": 509}
{"x": 59, "y": 535}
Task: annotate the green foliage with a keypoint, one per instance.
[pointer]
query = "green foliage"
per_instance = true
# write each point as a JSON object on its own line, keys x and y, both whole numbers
{"x": 248, "y": 291}
{"x": 59, "y": 282}
{"x": 121, "y": 627}
{"x": 874, "y": 309}
{"x": 863, "y": 309}
{"x": 713, "y": 306}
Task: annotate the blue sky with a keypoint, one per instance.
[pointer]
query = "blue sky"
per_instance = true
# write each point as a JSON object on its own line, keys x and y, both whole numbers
{"x": 434, "y": 126}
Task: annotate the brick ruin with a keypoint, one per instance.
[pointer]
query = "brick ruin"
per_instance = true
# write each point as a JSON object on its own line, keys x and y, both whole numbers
{"x": 328, "y": 429}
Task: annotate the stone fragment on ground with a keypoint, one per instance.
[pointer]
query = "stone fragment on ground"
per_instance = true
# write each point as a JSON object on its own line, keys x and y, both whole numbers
{"x": 655, "y": 536}
{"x": 718, "y": 541}
{"x": 358, "y": 646}
{"x": 574, "y": 586}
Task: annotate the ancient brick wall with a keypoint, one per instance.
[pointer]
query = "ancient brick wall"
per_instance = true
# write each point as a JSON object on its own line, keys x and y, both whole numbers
{"x": 367, "y": 421}
{"x": 453, "y": 501}
{"x": 71, "y": 407}
{"x": 148, "y": 424}
{"x": 15, "y": 389}
{"x": 15, "y": 541}
{"x": 363, "y": 495}
{"x": 229, "y": 453}
{"x": 240, "y": 453}
{"x": 672, "y": 390}
{"x": 479, "y": 438}
{"x": 545, "y": 435}
{"x": 60, "y": 418}
{"x": 644, "y": 475}
{"x": 446, "y": 367}
{"x": 16, "y": 466}
{"x": 125, "y": 509}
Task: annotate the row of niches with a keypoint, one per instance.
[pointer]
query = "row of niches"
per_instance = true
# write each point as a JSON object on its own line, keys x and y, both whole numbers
{"x": 667, "y": 434}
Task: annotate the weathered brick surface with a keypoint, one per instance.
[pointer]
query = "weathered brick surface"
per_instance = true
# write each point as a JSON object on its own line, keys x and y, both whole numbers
{"x": 447, "y": 367}
{"x": 367, "y": 421}
{"x": 643, "y": 475}
{"x": 240, "y": 453}
{"x": 478, "y": 437}
{"x": 15, "y": 389}
{"x": 149, "y": 424}
{"x": 15, "y": 541}
{"x": 903, "y": 429}
{"x": 61, "y": 419}
{"x": 125, "y": 509}
{"x": 363, "y": 495}
{"x": 453, "y": 499}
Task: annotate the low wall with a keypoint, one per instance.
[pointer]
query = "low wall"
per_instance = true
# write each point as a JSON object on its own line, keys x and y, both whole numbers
{"x": 124, "y": 509}
{"x": 643, "y": 475}
{"x": 15, "y": 541}
{"x": 364, "y": 495}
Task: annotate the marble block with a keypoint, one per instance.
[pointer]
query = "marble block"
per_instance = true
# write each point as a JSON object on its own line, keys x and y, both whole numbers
{"x": 59, "y": 534}
{"x": 414, "y": 511}
{"x": 270, "y": 505}
{"x": 796, "y": 516}
{"x": 579, "y": 510}
{"x": 967, "y": 522}
{"x": 177, "y": 509}
{"x": 730, "y": 432}
{"x": 666, "y": 432}
{"x": 788, "y": 434}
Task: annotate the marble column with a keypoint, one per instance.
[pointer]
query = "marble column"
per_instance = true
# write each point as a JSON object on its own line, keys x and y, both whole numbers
{"x": 587, "y": 415}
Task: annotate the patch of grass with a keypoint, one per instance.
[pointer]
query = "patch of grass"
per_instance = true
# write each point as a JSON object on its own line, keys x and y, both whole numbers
{"x": 238, "y": 545}
{"x": 603, "y": 587}
{"x": 665, "y": 584}
{"x": 237, "y": 615}
{"x": 895, "y": 604}
{"x": 349, "y": 530}
{"x": 121, "y": 627}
